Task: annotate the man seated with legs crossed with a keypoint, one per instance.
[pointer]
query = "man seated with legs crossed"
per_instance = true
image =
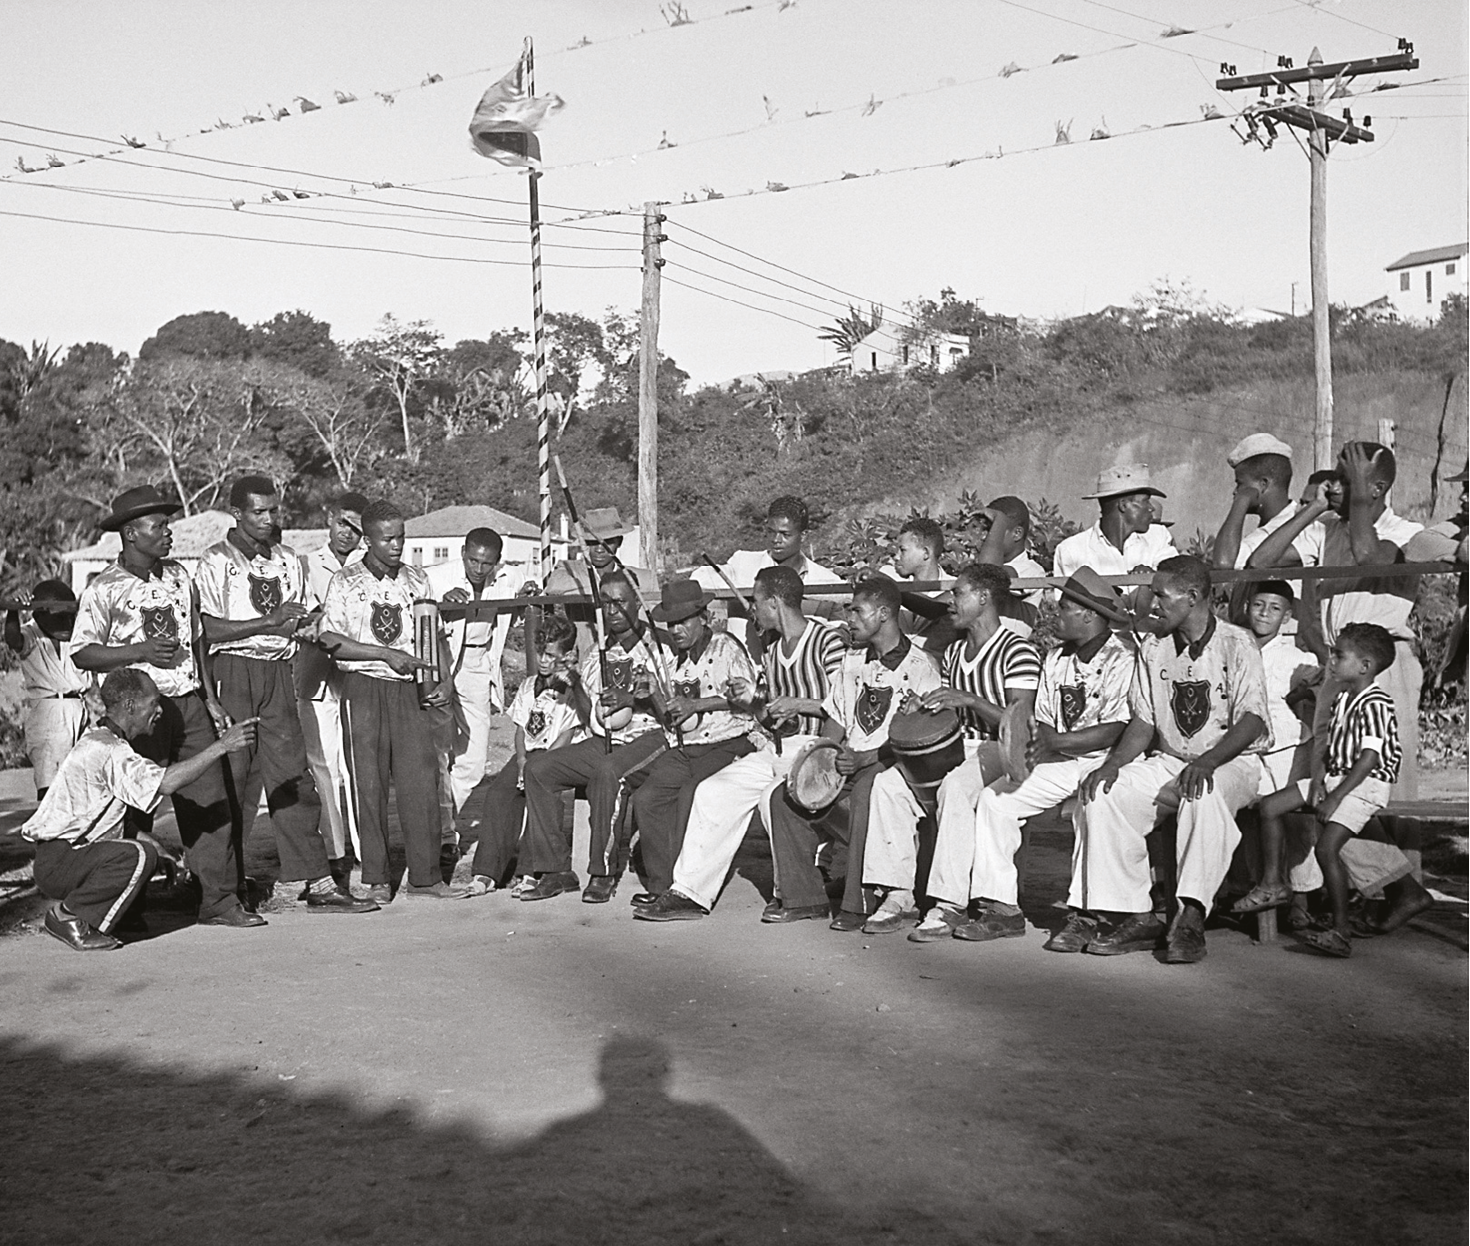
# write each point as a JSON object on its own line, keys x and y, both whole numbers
{"x": 878, "y": 674}
{"x": 800, "y": 658}
{"x": 1200, "y": 717}
{"x": 82, "y": 861}
{"x": 1081, "y": 710}
{"x": 987, "y": 669}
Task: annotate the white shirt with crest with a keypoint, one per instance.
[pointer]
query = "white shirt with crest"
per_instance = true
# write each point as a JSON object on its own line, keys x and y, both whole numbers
{"x": 375, "y": 610}
{"x": 119, "y": 608}
{"x": 868, "y": 691}
{"x": 542, "y": 716}
{"x": 240, "y": 587}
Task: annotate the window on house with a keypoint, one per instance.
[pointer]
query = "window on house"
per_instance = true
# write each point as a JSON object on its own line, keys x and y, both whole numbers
{"x": 441, "y": 553}
{"x": 1449, "y": 270}
{"x": 905, "y": 354}
{"x": 417, "y": 558}
{"x": 1428, "y": 286}
{"x": 873, "y": 355}
{"x": 1403, "y": 281}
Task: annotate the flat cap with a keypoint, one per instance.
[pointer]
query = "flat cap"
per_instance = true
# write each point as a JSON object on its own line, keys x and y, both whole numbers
{"x": 1257, "y": 443}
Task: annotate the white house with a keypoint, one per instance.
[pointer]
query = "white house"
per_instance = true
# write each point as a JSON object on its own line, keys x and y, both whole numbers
{"x": 1421, "y": 281}
{"x": 888, "y": 349}
{"x": 438, "y": 536}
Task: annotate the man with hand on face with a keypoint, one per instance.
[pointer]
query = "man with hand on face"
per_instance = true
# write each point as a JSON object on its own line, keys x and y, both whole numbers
{"x": 367, "y": 627}
{"x": 616, "y": 695}
{"x": 881, "y": 671}
{"x": 475, "y": 647}
{"x": 319, "y": 686}
{"x": 143, "y": 612}
{"x": 1199, "y": 717}
{"x": 1007, "y": 544}
{"x": 251, "y": 602}
{"x": 704, "y": 731}
{"x": 82, "y": 861}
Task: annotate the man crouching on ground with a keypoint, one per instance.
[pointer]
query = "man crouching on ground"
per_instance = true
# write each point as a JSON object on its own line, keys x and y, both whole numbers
{"x": 82, "y": 861}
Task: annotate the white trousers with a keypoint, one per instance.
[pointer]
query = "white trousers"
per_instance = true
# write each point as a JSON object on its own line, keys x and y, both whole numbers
{"x": 892, "y": 855}
{"x": 469, "y": 751}
{"x": 321, "y": 729}
{"x": 1112, "y": 873}
{"x": 997, "y": 829}
{"x": 721, "y": 811}
{"x": 52, "y": 728}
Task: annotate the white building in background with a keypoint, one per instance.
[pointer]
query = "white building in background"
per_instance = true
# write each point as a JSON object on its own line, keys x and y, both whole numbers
{"x": 438, "y": 536}
{"x": 1421, "y": 281}
{"x": 889, "y": 349}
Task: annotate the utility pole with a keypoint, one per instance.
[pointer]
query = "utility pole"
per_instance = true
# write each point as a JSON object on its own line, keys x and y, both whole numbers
{"x": 1386, "y": 430}
{"x": 1324, "y": 82}
{"x": 648, "y": 389}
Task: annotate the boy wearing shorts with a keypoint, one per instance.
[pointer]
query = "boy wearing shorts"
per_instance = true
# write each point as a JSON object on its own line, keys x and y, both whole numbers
{"x": 1363, "y": 756}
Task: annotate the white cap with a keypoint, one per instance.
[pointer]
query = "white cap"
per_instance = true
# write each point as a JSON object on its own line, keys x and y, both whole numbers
{"x": 1258, "y": 443}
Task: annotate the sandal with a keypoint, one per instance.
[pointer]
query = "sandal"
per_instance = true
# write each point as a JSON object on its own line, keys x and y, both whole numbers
{"x": 480, "y": 885}
{"x": 1329, "y": 943}
{"x": 1297, "y": 920}
{"x": 1262, "y": 896}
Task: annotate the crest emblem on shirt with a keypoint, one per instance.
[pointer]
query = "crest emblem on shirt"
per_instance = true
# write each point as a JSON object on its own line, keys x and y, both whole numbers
{"x": 387, "y": 621}
{"x": 265, "y": 593}
{"x": 1073, "y": 702}
{"x": 160, "y": 623}
{"x": 1190, "y": 701}
{"x": 688, "y": 688}
{"x": 620, "y": 674}
{"x": 872, "y": 707}
{"x": 535, "y": 723}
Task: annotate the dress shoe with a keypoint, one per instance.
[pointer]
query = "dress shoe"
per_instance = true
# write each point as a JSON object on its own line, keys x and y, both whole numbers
{"x": 1138, "y": 932}
{"x": 1186, "y": 937}
{"x": 600, "y": 889}
{"x": 992, "y": 925}
{"x": 671, "y": 907}
{"x": 846, "y": 921}
{"x": 1079, "y": 931}
{"x": 338, "y": 901}
{"x": 939, "y": 923}
{"x": 549, "y": 885}
{"x": 380, "y": 894}
{"x": 76, "y": 933}
{"x": 642, "y": 899}
{"x": 772, "y": 906}
{"x": 434, "y": 891}
{"x": 802, "y": 913}
{"x": 237, "y": 917}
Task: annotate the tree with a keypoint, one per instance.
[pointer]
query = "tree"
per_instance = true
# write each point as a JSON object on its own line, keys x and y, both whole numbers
{"x": 573, "y": 344}
{"x": 850, "y": 329}
{"x": 332, "y": 408}
{"x": 201, "y": 335}
{"x": 296, "y": 339}
{"x": 402, "y": 357}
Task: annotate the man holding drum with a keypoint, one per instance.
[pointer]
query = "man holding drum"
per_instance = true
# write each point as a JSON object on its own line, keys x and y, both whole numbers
{"x": 881, "y": 671}
{"x": 1081, "y": 709}
{"x": 989, "y": 669}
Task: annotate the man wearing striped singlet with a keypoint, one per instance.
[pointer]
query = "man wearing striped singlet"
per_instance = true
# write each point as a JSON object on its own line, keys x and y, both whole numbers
{"x": 987, "y": 669}
{"x": 799, "y": 660}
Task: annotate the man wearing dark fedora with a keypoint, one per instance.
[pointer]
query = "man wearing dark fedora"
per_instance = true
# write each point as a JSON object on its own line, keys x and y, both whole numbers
{"x": 143, "y": 612}
{"x": 705, "y": 733}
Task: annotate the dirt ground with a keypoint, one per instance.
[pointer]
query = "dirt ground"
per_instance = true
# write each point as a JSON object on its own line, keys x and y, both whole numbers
{"x": 491, "y": 1071}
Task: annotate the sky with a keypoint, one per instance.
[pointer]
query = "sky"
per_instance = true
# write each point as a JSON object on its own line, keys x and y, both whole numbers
{"x": 1035, "y": 228}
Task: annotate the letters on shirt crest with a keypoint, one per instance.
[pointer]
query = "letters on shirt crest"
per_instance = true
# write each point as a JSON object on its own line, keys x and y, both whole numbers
{"x": 160, "y": 623}
{"x": 1073, "y": 702}
{"x": 872, "y": 707}
{"x": 1189, "y": 699}
{"x": 265, "y": 593}
{"x": 387, "y": 621}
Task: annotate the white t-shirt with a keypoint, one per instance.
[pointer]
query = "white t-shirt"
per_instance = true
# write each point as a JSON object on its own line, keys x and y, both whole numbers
{"x": 46, "y": 668}
{"x": 1286, "y": 666}
{"x": 475, "y": 646}
{"x": 1090, "y": 548}
{"x": 98, "y": 781}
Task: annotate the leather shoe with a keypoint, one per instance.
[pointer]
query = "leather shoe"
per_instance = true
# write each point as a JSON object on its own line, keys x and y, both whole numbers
{"x": 802, "y": 913}
{"x": 549, "y": 885}
{"x": 600, "y": 889}
{"x": 846, "y": 921}
{"x": 990, "y": 926}
{"x": 435, "y": 891}
{"x": 76, "y": 933}
{"x": 671, "y": 907}
{"x": 238, "y": 917}
{"x": 1138, "y": 932}
{"x": 339, "y": 901}
{"x": 1186, "y": 937}
{"x": 1079, "y": 931}
{"x": 643, "y": 899}
{"x": 380, "y": 894}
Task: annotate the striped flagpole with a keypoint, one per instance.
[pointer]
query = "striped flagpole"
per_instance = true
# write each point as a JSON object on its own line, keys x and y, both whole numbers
{"x": 538, "y": 335}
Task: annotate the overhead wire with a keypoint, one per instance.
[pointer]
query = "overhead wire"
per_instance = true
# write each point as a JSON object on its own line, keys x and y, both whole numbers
{"x": 674, "y": 281}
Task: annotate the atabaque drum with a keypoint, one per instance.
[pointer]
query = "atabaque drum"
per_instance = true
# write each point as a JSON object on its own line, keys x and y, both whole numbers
{"x": 926, "y": 745}
{"x": 813, "y": 782}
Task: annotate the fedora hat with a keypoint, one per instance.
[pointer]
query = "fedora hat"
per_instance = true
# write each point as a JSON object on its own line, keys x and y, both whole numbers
{"x": 134, "y": 504}
{"x": 680, "y": 599}
{"x": 1127, "y": 478}
{"x": 1087, "y": 588}
{"x": 604, "y": 523}
{"x": 813, "y": 781}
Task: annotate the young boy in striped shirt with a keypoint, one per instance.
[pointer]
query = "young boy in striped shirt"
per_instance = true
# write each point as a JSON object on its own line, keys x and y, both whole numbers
{"x": 1363, "y": 756}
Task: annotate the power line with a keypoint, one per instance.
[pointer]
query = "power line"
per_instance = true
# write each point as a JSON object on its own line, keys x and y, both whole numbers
{"x": 725, "y": 298}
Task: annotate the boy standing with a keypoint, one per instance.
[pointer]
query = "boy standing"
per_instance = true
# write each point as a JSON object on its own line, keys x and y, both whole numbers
{"x": 1363, "y": 757}
{"x": 54, "y": 688}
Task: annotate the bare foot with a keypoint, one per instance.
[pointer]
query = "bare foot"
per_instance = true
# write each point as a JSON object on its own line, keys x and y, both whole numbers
{"x": 1409, "y": 903}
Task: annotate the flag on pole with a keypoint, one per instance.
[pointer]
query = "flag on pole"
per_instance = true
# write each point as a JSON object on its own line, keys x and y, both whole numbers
{"x": 504, "y": 125}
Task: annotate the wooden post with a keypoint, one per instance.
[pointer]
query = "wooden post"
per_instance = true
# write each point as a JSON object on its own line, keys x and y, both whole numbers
{"x": 648, "y": 390}
{"x": 1386, "y": 430}
{"x": 1322, "y": 455}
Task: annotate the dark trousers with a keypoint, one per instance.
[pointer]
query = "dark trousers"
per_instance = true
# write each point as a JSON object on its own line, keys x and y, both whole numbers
{"x": 251, "y": 688}
{"x": 587, "y": 765}
{"x": 98, "y": 882}
{"x": 502, "y": 815}
{"x": 388, "y": 737}
{"x": 207, "y": 810}
{"x": 796, "y": 835}
{"x": 662, "y": 797}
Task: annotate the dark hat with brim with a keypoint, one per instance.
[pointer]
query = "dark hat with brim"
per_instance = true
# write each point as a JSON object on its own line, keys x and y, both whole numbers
{"x": 680, "y": 600}
{"x": 1087, "y": 588}
{"x": 134, "y": 504}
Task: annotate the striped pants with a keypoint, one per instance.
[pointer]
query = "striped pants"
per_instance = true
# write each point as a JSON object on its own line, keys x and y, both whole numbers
{"x": 98, "y": 882}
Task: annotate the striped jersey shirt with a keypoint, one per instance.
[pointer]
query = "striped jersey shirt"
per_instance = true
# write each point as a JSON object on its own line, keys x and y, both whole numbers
{"x": 1003, "y": 663}
{"x": 1362, "y": 722}
{"x": 805, "y": 673}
